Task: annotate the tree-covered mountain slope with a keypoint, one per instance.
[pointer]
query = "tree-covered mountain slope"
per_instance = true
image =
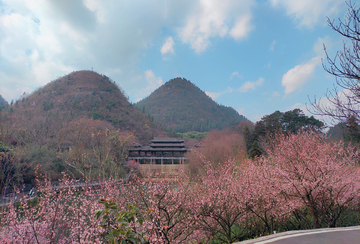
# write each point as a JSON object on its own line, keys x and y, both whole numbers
{"x": 79, "y": 95}
{"x": 181, "y": 106}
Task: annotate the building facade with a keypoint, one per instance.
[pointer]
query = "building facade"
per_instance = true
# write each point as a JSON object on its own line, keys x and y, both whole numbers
{"x": 160, "y": 151}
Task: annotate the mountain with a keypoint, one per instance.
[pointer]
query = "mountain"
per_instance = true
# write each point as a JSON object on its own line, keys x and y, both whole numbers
{"x": 183, "y": 107}
{"x": 80, "y": 124}
{"x": 3, "y": 103}
{"x": 337, "y": 132}
{"x": 347, "y": 132}
{"x": 80, "y": 95}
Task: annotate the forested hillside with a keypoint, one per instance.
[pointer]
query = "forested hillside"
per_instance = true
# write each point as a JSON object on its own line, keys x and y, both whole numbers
{"x": 181, "y": 106}
{"x": 80, "y": 123}
{"x": 82, "y": 94}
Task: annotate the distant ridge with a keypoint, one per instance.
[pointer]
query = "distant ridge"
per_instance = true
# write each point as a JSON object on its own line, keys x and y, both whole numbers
{"x": 183, "y": 107}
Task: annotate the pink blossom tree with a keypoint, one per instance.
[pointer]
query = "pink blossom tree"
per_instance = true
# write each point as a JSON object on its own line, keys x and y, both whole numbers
{"x": 301, "y": 172}
{"x": 320, "y": 175}
{"x": 61, "y": 215}
{"x": 168, "y": 217}
{"x": 218, "y": 201}
{"x": 266, "y": 201}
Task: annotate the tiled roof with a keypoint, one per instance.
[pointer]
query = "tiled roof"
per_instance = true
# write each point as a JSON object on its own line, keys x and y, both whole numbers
{"x": 166, "y": 140}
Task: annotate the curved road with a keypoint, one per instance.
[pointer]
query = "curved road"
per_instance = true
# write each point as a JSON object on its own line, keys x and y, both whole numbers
{"x": 343, "y": 235}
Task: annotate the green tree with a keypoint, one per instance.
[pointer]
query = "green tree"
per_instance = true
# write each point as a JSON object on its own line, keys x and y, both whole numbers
{"x": 294, "y": 120}
{"x": 291, "y": 121}
{"x": 352, "y": 132}
{"x": 247, "y": 138}
{"x": 121, "y": 228}
{"x": 7, "y": 171}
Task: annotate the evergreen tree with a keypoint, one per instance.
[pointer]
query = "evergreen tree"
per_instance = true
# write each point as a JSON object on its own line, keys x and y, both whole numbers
{"x": 289, "y": 122}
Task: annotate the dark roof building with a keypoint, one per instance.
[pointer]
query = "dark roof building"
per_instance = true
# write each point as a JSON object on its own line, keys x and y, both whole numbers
{"x": 159, "y": 148}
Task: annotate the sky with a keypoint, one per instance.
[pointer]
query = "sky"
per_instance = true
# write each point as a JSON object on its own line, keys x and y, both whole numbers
{"x": 254, "y": 56}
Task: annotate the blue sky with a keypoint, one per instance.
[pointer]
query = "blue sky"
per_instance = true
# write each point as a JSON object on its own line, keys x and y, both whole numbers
{"x": 255, "y": 56}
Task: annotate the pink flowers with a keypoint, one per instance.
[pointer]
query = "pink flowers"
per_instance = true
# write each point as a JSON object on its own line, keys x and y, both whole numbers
{"x": 320, "y": 175}
{"x": 228, "y": 202}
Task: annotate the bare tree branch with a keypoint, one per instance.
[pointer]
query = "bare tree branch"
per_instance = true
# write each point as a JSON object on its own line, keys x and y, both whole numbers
{"x": 345, "y": 66}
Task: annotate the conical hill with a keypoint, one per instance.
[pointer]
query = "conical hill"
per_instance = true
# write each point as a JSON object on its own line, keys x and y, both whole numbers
{"x": 182, "y": 106}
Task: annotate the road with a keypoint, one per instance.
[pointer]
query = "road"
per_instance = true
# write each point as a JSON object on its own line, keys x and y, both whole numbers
{"x": 344, "y": 235}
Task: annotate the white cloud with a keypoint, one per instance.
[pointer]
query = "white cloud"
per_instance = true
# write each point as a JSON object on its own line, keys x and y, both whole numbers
{"x": 342, "y": 97}
{"x": 70, "y": 32}
{"x": 41, "y": 40}
{"x": 235, "y": 74}
{"x": 319, "y": 46}
{"x": 308, "y": 13}
{"x": 212, "y": 18}
{"x": 241, "y": 111}
{"x": 96, "y": 7}
{"x": 251, "y": 85}
{"x": 326, "y": 103}
{"x": 300, "y": 106}
{"x": 152, "y": 83}
{"x": 168, "y": 46}
{"x": 299, "y": 75}
{"x": 274, "y": 95}
{"x": 213, "y": 95}
{"x": 242, "y": 27}
{"x": 12, "y": 92}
